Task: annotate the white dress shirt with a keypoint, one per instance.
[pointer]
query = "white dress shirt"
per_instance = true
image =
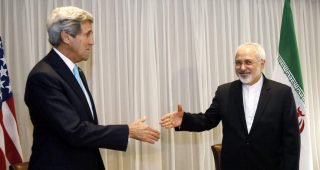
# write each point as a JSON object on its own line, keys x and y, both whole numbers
{"x": 251, "y": 94}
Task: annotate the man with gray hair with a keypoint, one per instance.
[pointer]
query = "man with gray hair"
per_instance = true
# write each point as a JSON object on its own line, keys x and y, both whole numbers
{"x": 258, "y": 115}
{"x": 66, "y": 132}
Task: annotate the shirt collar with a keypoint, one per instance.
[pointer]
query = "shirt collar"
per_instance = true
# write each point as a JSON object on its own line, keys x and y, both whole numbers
{"x": 65, "y": 59}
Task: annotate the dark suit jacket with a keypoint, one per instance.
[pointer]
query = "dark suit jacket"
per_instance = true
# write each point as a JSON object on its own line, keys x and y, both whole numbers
{"x": 274, "y": 140}
{"x": 65, "y": 135}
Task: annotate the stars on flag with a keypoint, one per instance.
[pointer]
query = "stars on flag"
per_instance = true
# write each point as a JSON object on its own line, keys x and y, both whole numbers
{"x": 5, "y": 87}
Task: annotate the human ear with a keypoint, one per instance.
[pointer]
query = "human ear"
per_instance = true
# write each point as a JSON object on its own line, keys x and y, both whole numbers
{"x": 65, "y": 37}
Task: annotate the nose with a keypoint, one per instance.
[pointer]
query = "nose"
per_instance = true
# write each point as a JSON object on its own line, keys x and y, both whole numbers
{"x": 91, "y": 41}
{"x": 242, "y": 66}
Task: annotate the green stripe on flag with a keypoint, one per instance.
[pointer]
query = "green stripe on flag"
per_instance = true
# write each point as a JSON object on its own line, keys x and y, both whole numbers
{"x": 288, "y": 50}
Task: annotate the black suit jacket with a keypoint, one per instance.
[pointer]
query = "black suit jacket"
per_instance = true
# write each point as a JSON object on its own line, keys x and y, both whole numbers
{"x": 274, "y": 140}
{"x": 65, "y": 136}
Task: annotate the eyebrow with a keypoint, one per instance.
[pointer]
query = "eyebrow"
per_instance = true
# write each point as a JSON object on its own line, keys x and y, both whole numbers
{"x": 245, "y": 60}
{"x": 88, "y": 32}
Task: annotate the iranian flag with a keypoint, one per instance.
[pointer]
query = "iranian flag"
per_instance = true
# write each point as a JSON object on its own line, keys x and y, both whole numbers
{"x": 287, "y": 71}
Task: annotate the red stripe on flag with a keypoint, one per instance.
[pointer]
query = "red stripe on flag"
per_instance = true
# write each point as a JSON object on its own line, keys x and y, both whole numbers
{"x": 2, "y": 160}
{"x": 10, "y": 103}
{"x": 11, "y": 151}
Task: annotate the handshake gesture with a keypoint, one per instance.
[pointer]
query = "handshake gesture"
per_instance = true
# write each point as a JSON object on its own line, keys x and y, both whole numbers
{"x": 141, "y": 131}
{"x": 172, "y": 119}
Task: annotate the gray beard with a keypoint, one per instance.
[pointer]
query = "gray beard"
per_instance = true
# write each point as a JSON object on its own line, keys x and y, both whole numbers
{"x": 245, "y": 80}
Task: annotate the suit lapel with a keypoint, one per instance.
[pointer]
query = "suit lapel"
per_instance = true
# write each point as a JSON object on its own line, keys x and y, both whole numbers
{"x": 84, "y": 80}
{"x": 263, "y": 102}
{"x": 237, "y": 100}
{"x": 62, "y": 69}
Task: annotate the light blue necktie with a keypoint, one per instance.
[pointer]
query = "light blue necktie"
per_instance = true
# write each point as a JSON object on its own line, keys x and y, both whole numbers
{"x": 77, "y": 76}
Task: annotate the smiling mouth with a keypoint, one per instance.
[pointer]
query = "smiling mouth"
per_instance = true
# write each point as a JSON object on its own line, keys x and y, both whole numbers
{"x": 244, "y": 74}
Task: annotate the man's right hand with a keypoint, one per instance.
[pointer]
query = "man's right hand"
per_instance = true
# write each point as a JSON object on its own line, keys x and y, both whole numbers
{"x": 172, "y": 119}
{"x": 141, "y": 131}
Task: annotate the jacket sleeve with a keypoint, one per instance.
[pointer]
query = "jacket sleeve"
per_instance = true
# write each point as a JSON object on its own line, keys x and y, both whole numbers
{"x": 197, "y": 122}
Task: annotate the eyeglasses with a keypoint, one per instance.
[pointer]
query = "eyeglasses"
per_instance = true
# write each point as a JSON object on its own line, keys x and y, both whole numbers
{"x": 239, "y": 63}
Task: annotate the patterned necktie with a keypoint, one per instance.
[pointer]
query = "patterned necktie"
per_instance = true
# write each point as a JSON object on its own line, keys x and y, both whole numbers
{"x": 77, "y": 76}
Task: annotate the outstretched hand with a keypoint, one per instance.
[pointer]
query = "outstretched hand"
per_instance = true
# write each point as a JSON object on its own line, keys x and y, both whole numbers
{"x": 172, "y": 119}
{"x": 141, "y": 131}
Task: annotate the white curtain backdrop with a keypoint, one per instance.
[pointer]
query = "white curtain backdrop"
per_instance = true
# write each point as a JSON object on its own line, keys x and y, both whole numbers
{"x": 150, "y": 55}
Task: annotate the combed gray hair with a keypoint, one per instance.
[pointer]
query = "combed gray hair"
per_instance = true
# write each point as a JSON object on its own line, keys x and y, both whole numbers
{"x": 66, "y": 19}
{"x": 261, "y": 54}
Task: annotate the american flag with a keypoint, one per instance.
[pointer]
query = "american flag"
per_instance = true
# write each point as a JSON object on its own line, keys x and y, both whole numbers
{"x": 10, "y": 148}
